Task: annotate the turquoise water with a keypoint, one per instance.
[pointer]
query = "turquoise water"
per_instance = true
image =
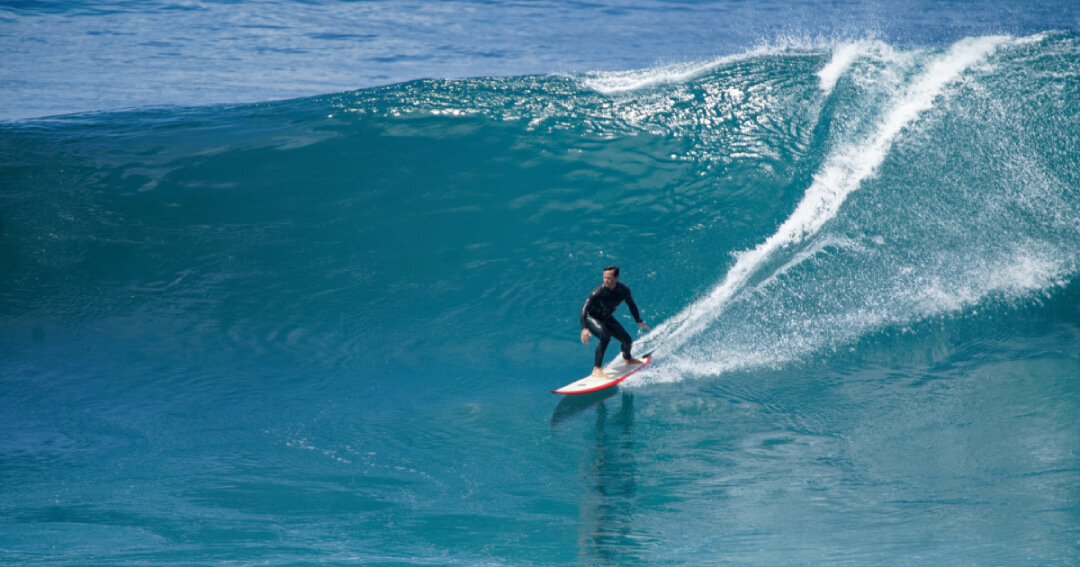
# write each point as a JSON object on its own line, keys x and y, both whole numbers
{"x": 323, "y": 331}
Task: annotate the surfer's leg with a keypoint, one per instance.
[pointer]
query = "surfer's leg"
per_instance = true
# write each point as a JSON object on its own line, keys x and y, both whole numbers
{"x": 620, "y": 333}
{"x": 601, "y": 333}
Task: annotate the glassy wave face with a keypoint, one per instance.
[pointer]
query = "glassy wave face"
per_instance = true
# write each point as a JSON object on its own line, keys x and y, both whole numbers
{"x": 323, "y": 330}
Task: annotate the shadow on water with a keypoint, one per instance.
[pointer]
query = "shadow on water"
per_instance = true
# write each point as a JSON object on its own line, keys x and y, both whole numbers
{"x": 607, "y": 535}
{"x": 574, "y": 405}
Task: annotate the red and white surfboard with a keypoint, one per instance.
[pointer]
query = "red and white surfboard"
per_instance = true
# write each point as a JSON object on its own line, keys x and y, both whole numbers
{"x": 615, "y": 372}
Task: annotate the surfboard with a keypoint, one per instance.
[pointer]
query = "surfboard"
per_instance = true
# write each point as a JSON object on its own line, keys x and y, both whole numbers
{"x": 615, "y": 372}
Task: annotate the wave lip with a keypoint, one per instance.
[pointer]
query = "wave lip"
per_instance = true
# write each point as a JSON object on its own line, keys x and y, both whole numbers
{"x": 615, "y": 82}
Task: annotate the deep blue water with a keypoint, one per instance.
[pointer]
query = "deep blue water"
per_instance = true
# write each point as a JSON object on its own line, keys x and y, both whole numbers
{"x": 59, "y": 57}
{"x": 244, "y": 331}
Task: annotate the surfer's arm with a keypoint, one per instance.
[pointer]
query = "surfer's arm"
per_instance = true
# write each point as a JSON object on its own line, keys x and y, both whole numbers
{"x": 585, "y": 334}
{"x": 633, "y": 307}
{"x": 634, "y": 311}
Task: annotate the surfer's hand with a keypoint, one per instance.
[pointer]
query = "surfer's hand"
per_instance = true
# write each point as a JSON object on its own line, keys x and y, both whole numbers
{"x": 584, "y": 335}
{"x": 643, "y": 325}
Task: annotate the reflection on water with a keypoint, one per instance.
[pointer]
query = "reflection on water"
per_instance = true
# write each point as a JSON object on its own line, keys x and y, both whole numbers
{"x": 607, "y": 534}
{"x": 574, "y": 405}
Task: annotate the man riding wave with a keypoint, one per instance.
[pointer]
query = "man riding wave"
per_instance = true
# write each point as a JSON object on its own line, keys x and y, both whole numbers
{"x": 596, "y": 318}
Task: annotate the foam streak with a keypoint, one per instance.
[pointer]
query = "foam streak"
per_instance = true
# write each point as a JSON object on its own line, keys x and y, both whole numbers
{"x": 841, "y": 175}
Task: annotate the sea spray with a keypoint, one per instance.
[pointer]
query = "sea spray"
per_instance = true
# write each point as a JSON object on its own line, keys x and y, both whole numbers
{"x": 842, "y": 173}
{"x": 935, "y": 258}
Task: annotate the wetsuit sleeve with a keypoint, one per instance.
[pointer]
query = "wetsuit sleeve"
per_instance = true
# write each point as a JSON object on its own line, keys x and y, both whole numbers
{"x": 633, "y": 306}
{"x": 585, "y": 308}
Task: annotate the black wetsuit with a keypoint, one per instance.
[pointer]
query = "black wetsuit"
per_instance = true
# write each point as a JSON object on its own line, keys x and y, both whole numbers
{"x": 596, "y": 317}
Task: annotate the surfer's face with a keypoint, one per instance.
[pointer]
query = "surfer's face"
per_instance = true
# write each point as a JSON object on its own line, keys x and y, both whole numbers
{"x": 610, "y": 279}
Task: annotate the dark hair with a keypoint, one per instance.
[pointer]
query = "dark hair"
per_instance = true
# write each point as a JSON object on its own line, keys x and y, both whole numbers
{"x": 612, "y": 269}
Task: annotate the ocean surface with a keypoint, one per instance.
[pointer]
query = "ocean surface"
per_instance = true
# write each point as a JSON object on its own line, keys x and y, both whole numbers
{"x": 239, "y": 327}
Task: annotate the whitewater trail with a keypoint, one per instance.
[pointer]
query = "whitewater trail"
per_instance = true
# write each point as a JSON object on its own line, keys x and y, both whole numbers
{"x": 843, "y": 172}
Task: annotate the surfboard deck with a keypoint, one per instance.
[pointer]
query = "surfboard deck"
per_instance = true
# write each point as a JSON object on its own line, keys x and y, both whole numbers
{"x": 615, "y": 372}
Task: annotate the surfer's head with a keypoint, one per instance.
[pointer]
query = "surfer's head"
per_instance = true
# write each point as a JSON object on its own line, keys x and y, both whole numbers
{"x": 611, "y": 276}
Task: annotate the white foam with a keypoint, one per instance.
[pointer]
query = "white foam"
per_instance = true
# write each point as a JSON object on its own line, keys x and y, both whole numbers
{"x": 962, "y": 282}
{"x": 843, "y": 172}
{"x": 613, "y": 82}
{"x": 1026, "y": 268}
{"x": 805, "y": 255}
{"x": 845, "y": 55}
{"x": 842, "y": 58}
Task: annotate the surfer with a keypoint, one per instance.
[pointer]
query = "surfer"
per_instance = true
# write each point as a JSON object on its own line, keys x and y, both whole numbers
{"x": 596, "y": 318}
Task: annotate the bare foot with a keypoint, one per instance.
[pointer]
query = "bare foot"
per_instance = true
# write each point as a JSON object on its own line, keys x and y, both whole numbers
{"x": 598, "y": 372}
{"x": 632, "y": 361}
